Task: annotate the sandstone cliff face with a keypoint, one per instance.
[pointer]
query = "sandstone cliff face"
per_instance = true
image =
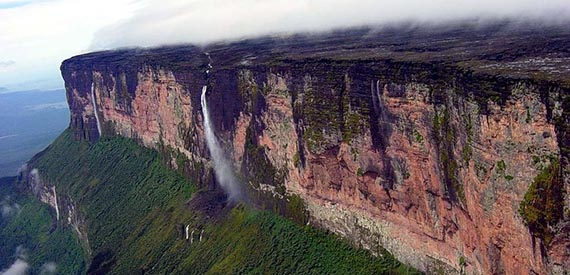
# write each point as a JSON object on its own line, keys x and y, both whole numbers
{"x": 421, "y": 158}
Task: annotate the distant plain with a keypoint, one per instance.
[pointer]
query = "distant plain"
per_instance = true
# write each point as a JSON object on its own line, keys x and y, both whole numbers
{"x": 29, "y": 122}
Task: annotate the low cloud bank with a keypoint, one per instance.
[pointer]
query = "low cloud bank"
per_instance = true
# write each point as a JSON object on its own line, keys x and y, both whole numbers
{"x": 48, "y": 268}
{"x": 47, "y": 106}
{"x": 20, "y": 266}
{"x": 8, "y": 208}
{"x": 204, "y": 21}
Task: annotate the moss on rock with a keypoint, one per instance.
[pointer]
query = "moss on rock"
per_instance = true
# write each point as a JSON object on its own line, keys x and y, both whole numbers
{"x": 542, "y": 205}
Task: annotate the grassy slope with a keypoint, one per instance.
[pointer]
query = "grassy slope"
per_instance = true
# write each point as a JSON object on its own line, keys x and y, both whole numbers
{"x": 136, "y": 210}
{"x": 33, "y": 229}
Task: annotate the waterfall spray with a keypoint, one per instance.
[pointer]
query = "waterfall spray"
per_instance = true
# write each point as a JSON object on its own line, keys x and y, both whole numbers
{"x": 222, "y": 166}
{"x": 95, "y": 108}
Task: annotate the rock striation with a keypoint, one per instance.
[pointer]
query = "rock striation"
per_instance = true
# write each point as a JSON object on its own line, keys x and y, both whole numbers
{"x": 427, "y": 142}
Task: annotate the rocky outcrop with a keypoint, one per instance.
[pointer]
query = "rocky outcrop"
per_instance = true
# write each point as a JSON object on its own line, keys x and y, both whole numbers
{"x": 44, "y": 192}
{"x": 430, "y": 157}
{"x": 65, "y": 209}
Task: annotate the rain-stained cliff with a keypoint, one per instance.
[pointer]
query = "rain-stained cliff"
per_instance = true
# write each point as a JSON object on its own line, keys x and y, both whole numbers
{"x": 449, "y": 148}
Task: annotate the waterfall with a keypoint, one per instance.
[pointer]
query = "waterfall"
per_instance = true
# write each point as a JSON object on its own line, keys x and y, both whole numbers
{"x": 383, "y": 116}
{"x": 56, "y": 205}
{"x": 95, "y": 108}
{"x": 222, "y": 166}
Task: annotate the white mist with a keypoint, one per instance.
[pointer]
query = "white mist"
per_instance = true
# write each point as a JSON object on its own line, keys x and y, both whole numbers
{"x": 222, "y": 166}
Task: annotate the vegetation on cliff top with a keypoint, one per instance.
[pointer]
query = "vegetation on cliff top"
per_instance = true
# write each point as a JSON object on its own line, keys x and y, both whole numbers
{"x": 136, "y": 211}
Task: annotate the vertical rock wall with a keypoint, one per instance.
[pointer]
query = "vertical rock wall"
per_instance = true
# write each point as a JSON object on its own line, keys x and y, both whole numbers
{"x": 431, "y": 166}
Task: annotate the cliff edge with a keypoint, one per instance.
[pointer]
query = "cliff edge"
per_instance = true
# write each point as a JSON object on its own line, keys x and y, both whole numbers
{"x": 448, "y": 147}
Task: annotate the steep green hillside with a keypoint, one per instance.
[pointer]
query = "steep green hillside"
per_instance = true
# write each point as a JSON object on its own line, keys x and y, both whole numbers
{"x": 136, "y": 210}
{"x": 28, "y": 232}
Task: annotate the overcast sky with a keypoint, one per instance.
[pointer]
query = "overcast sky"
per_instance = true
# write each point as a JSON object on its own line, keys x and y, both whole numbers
{"x": 36, "y": 35}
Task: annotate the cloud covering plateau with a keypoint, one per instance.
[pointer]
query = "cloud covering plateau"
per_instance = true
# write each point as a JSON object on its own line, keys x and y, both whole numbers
{"x": 203, "y": 21}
